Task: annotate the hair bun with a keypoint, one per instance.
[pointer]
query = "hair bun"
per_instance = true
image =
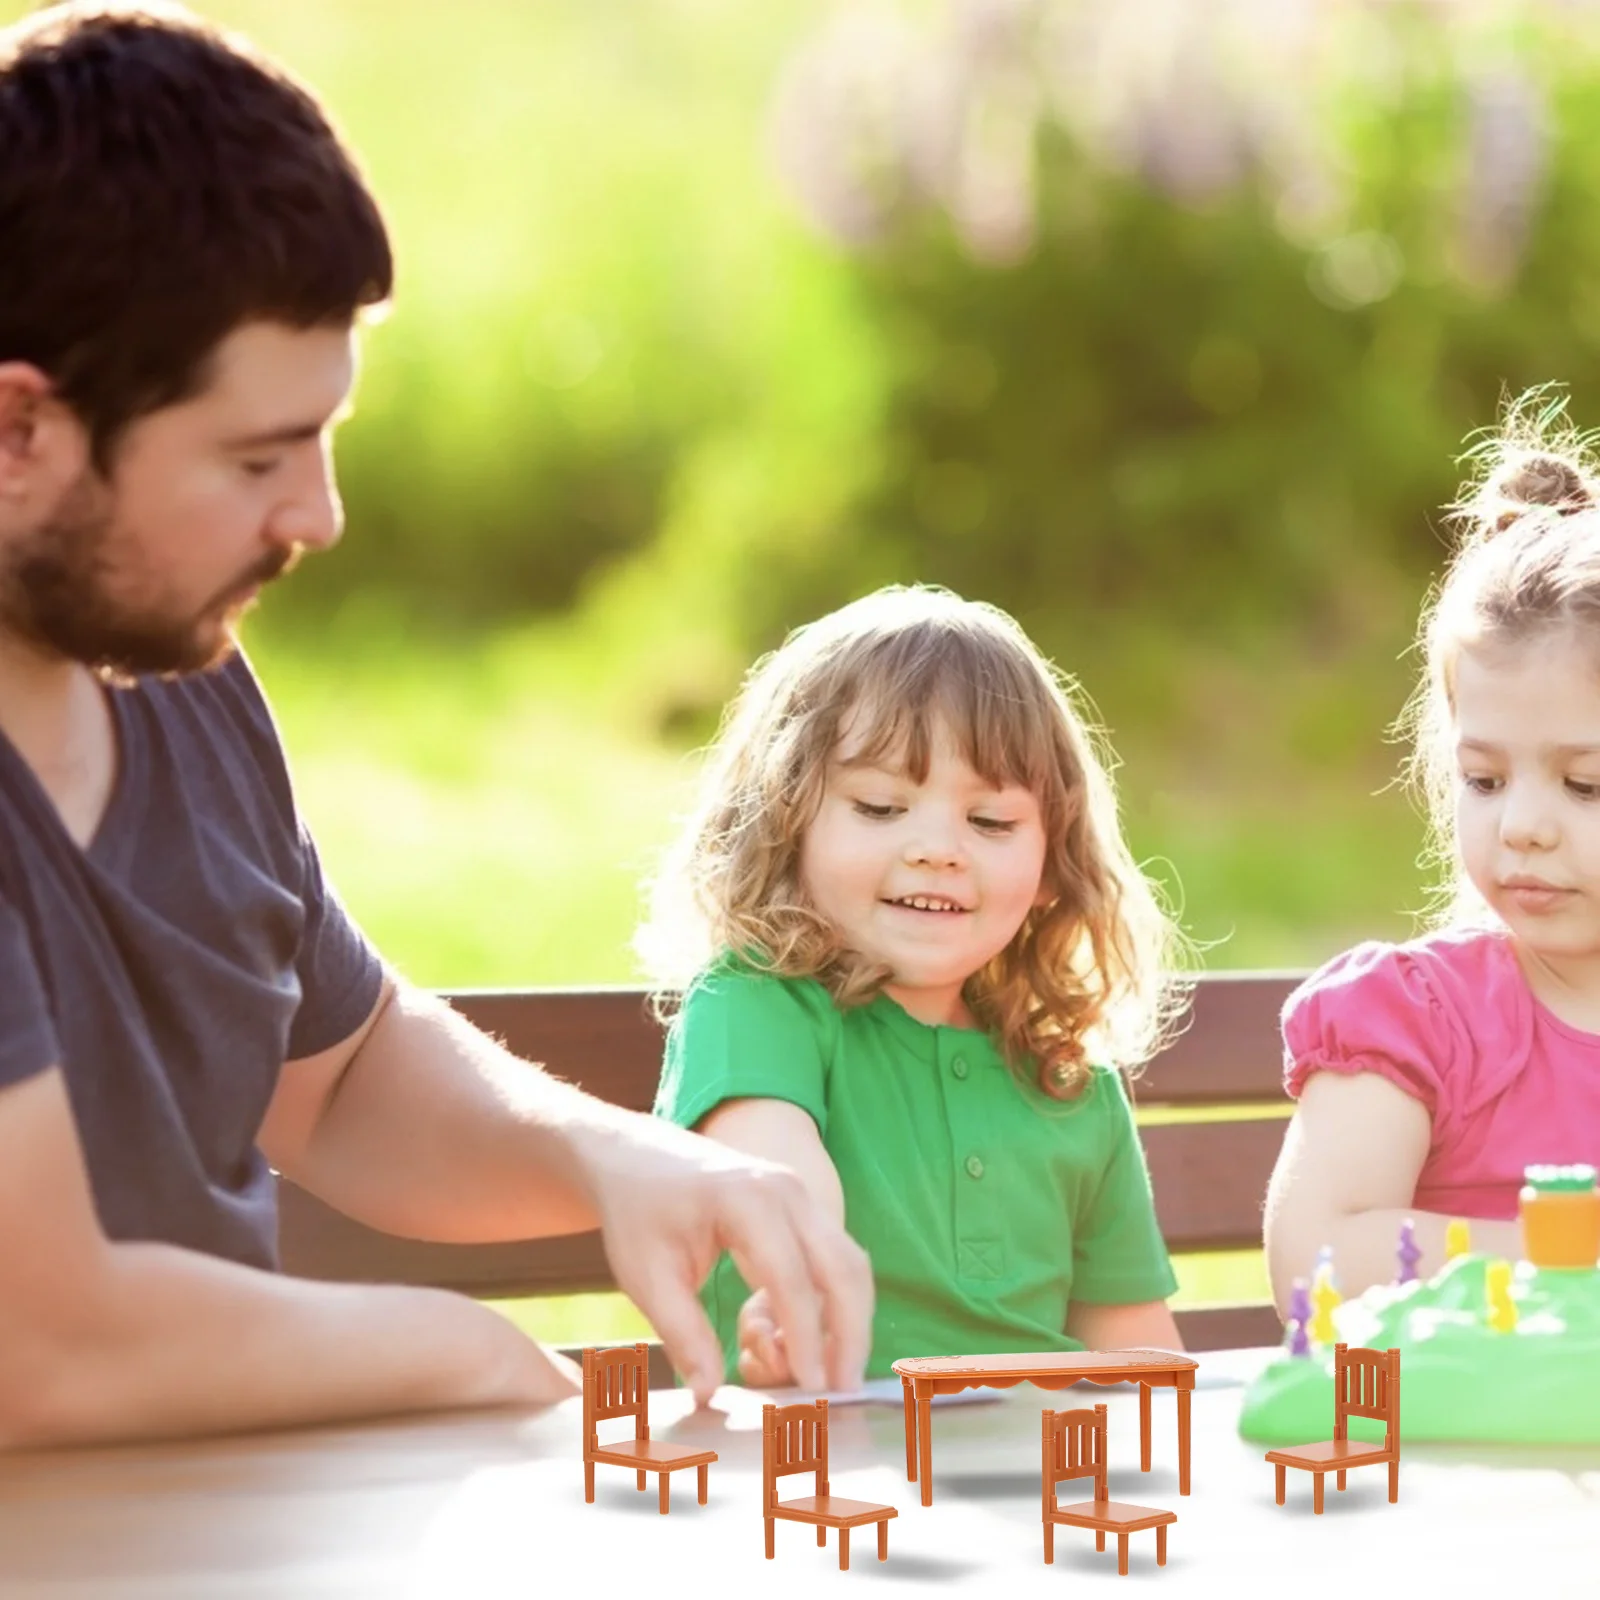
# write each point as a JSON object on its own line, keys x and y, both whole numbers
{"x": 1538, "y": 479}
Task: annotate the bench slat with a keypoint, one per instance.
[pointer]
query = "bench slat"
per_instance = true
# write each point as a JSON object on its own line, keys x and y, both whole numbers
{"x": 607, "y": 1040}
{"x": 1209, "y": 1177}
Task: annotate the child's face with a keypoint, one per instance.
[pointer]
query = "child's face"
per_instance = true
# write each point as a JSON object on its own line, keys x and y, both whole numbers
{"x": 1527, "y": 721}
{"x": 932, "y": 879}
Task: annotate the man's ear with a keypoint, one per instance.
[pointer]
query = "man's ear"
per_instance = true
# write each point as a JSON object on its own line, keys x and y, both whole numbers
{"x": 44, "y": 448}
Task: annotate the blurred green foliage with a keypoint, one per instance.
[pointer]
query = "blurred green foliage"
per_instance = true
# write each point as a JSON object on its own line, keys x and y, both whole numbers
{"x": 634, "y": 415}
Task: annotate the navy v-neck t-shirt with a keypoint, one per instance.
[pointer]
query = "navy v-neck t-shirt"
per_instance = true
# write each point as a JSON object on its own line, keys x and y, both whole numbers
{"x": 172, "y": 967}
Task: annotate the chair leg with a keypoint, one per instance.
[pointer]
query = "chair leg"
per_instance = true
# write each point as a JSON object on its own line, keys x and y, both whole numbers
{"x": 883, "y": 1540}
{"x": 1161, "y": 1545}
{"x": 588, "y": 1481}
{"x": 822, "y": 1535}
{"x": 770, "y": 1526}
{"x": 1341, "y": 1482}
{"x": 1394, "y": 1482}
{"x": 1122, "y": 1554}
{"x": 1283, "y": 1473}
{"x": 1099, "y": 1538}
{"x": 1049, "y": 1543}
{"x": 844, "y": 1549}
{"x": 665, "y": 1479}
{"x": 704, "y": 1470}
{"x": 641, "y": 1482}
{"x": 1316, "y": 1494}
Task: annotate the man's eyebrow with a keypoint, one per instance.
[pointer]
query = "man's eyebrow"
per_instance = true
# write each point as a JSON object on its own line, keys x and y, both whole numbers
{"x": 289, "y": 433}
{"x": 294, "y": 433}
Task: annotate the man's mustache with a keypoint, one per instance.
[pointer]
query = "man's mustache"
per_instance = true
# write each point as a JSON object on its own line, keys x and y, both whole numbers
{"x": 270, "y": 567}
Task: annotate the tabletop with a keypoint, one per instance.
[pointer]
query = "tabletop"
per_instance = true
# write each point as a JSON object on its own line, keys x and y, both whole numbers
{"x": 491, "y": 1504}
{"x": 1053, "y": 1363}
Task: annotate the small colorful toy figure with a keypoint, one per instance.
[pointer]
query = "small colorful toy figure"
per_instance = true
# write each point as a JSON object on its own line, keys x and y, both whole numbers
{"x": 1300, "y": 1318}
{"x": 1502, "y": 1315}
{"x": 1324, "y": 1297}
{"x": 1409, "y": 1252}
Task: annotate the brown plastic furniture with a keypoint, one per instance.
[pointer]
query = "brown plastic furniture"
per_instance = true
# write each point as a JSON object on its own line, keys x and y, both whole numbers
{"x": 616, "y": 1383}
{"x": 923, "y": 1377}
{"x": 795, "y": 1439}
{"x": 1366, "y": 1383}
{"x": 1074, "y": 1446}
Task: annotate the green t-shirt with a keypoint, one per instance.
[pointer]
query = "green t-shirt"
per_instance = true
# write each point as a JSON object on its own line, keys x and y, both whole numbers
{"x": 985, "y": 1206}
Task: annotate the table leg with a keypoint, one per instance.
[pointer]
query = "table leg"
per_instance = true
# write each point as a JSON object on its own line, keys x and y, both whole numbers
{"x": 911, "y": 1430}
{"x": 1183, "y": 1441}
{"x": 1144, "y": 1427}
{"x": 925, "y": 1445}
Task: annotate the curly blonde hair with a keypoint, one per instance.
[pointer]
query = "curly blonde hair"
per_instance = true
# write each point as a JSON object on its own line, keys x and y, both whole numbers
{"x": 1527, "y": 566}
{"x": 1090, "y": 973}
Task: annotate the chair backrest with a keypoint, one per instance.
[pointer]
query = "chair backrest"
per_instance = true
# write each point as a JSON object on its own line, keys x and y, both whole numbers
{"x": 616, "y": 1383}
{"x": 793, "y": 1439}
{"x": 1366, "y": 1383}
{"x": 1074, "y": 1446}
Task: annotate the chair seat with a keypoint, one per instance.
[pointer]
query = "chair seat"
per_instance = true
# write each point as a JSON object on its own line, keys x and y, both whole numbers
{"x": 651, "y": 1453}
{"x": 833, "y": 1511}
{"x": 1112, "y": 1516}
{"x": 1332, "y": 1453}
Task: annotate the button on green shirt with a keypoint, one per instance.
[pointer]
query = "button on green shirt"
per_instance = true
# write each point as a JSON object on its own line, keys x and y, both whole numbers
{"x": 985, "y": 1206}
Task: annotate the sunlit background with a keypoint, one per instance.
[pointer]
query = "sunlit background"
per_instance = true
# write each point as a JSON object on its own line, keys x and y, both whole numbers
{"x": 1160, "y": 324}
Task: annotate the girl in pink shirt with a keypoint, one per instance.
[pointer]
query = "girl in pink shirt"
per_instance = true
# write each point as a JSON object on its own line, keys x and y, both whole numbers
{"x": 1429, "y": 1074}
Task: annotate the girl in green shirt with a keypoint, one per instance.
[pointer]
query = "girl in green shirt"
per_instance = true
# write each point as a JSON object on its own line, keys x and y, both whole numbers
{"x": 914, "y": 950}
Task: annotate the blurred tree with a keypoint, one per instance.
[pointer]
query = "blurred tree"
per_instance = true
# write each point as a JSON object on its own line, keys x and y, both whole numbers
{"x": 1185, "y": 311}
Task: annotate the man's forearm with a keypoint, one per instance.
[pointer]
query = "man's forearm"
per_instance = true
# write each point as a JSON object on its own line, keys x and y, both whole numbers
{"x": 1365, "y": 1247}
{"x": 435, "y": 1131}
{"x": 171, "y": 1343}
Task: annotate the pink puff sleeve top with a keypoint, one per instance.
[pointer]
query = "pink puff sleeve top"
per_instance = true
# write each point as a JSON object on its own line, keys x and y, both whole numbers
{"x": 1450, "y": 1020}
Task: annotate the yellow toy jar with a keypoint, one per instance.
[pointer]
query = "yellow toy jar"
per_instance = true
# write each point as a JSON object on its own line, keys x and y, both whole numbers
{"x": 1560, "y": 1211}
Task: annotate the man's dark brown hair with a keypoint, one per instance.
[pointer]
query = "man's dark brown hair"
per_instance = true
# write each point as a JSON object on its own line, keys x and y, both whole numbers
{"x": 160, "y": 184}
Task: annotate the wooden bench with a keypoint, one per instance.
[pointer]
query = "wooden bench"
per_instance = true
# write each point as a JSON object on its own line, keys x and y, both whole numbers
{"x": 1210, "y": 1176}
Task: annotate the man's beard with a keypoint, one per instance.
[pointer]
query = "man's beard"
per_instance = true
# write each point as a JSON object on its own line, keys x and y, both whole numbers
{"x": 55, "y": 592}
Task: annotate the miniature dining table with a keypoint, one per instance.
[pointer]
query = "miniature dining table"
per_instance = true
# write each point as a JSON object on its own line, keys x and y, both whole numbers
{"x": 923, "y": 1377}
{"x": 489, "y": 1506}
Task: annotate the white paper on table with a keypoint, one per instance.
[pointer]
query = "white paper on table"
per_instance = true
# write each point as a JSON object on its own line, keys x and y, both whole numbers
{"x": 877, "y": 1392}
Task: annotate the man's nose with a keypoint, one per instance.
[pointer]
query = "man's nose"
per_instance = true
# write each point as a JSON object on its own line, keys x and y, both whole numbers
{"x": 313, "y": 518}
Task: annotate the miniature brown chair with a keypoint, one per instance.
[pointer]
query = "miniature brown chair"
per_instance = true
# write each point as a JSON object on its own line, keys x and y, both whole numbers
{"x": 1366, "y": 1383}
{"x": 1074, "y": 1446}
{"x": 795, "y": 1439}
{"x": 616, "y": 1384}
